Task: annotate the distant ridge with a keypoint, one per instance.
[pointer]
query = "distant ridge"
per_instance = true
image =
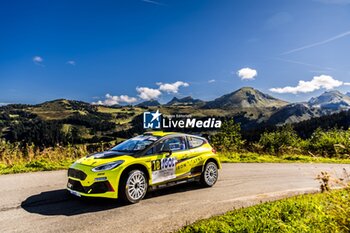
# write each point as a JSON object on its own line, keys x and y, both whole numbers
{"x": 246, "y": 97}
{"x": 149, "y": 103}
{"x": 188, "y": 100}
{"x": 292, "y": 113}
{"x": 327, "y": 103}
{"x": 330, "y": 100}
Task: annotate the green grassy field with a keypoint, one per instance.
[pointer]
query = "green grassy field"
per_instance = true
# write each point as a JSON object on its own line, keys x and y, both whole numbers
{"x": 323, "y": 212}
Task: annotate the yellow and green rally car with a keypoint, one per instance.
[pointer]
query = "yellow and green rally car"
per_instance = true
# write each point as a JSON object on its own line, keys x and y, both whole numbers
{"x": 146, "y": 162}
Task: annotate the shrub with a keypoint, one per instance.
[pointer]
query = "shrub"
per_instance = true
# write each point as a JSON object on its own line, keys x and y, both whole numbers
{"x": 335, "y": 142}
{"x": 229, "y": 138}
{"x": 283, "y": 140}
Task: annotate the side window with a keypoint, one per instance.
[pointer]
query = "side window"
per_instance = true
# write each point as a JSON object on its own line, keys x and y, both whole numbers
{"x": 173, "y": 144}
{"x": 150, "y": 151}
{"x": 195, "y": 142}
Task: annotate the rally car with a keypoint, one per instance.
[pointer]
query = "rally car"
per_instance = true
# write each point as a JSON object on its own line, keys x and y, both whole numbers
{"x": 146, "y": 162}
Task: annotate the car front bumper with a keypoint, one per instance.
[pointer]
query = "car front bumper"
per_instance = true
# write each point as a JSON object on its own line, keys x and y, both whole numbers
{"x": 83, "y": 182}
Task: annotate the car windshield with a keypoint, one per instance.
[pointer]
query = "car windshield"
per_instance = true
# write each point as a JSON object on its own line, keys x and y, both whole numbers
{"x": 135, "y": 144}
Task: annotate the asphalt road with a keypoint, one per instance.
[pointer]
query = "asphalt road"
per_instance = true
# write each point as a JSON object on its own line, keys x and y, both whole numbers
{"x": 37, "y": 202}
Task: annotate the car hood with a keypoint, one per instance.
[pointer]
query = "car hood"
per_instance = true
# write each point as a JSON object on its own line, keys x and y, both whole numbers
{"x": 103, "y": 158}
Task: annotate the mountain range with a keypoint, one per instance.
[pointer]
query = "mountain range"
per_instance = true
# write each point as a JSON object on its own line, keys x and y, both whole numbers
{"x": 248, "y": 97}
{"x": 270, "y": 109}
{"x": 251, "y": 107}
{"x": 149, "y": 103}
{"x": 189, "y": 101}
{"x": 245, "y": 97}
{"x": 327, "y": 103}
{"x": 331, "y": 100}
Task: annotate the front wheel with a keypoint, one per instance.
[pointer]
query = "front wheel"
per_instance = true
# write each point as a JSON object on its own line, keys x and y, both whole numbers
{"x": 209, "y": 175}
{"x": 133, "y": 186}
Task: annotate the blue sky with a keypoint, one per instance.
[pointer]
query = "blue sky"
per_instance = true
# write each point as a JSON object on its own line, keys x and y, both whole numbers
{"x": 134, "y": 50}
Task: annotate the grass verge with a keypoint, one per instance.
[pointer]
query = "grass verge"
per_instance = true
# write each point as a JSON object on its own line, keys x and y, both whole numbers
{"x": 35, "y": 165}
{"x": 323, "y": 212}
{"x": 61, "y": 158}
{"x": 14, "y": 159}
{"x": 250, "y": 157}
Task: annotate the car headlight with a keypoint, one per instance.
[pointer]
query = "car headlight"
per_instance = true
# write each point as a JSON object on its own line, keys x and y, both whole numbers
{"x": 107, "y": 166}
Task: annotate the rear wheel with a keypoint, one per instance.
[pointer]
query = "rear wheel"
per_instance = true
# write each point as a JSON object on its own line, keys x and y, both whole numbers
{"x": 209, "y": 175}
{"x": 133, "y": 186}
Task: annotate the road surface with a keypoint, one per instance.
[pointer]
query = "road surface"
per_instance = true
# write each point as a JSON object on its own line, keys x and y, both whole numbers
{"x": 37, "y": 202}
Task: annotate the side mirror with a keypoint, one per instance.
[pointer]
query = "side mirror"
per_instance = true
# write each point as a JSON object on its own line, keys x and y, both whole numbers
{"x": 169, "y": 152}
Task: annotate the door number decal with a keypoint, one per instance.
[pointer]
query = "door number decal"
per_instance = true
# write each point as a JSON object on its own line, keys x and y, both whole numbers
{"x": 163, "y": 169}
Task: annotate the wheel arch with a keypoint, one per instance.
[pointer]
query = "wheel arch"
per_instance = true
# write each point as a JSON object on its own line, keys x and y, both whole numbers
{"x": 135, "y": 166}
{"x": 214, "y": 160}
{"x": 123, "y": 177}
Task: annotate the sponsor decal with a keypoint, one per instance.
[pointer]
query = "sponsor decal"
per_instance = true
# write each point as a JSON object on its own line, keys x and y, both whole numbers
{"x": 163, "y": 169}
{"x": 155, "y": 120}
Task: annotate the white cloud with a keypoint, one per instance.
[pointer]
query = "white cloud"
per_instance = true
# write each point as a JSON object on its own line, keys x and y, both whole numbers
{"x": 71, "y": 62}
{"x": 211, "y": 81}
{"x": 318, "y": 82}
{"x": 144, "y": 93}
{"x": 172, "y": 87}
{"x": 100, "y": 102}
{"x": 112, "y": 100}
{"x": 346, "y": 84}
{"x": 38, "y": 60}
{"x": 247, "y": 73}
{"x": 126, "y": 99}
{"x": 147, "y": 93}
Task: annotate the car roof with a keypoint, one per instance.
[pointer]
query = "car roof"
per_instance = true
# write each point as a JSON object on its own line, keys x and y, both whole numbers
{"x": 160, "y": 133}
{"x": 163, "y": 134}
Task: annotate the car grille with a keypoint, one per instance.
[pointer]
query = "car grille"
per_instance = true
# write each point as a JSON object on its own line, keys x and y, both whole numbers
{"x": 75, "y": 185}
{"x": 100, "y": 187}
{"x": 76, "y": 174}
{"x": 97, "y": 187}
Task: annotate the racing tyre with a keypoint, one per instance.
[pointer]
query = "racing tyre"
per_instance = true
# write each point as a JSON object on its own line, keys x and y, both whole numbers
{"x": 209, "y": 175}
{"x": 133, "y": 186}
